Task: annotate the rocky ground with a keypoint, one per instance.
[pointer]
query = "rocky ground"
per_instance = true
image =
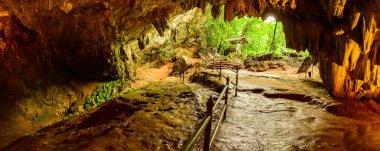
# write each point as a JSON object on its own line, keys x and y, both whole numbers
{"x": 275, "y": 110}
{"x": 159, "y": 116}
{"x": 156, "y": 113}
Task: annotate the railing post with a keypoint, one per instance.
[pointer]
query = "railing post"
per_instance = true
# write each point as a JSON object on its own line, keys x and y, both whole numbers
{"x": 220, "y": 69}
{"x": 213, "y": 63}
{"x": 206, "y": 144}
{"x": 226, "y": 97}
{"x": 237, "y": 80}
{"x": 183, "y": 77}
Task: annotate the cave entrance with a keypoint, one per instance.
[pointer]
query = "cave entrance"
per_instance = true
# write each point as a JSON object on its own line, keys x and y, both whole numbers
{"x": 258, "y": 42}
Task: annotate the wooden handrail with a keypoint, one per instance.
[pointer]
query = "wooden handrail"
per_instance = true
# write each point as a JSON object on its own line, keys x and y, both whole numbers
{"x": 207, "y": 141}
{"x": 237, "y": 81}
{"x": 220, "y": 97}
{"x": 190, "y": 144}
{"x": 211, "y": 106}
{"x": 217, "y": 125}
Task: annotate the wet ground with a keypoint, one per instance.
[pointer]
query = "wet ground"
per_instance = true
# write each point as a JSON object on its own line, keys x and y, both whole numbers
{"x": 276, "y": 110}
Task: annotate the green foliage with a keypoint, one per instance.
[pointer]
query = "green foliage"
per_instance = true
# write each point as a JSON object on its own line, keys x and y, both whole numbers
{"x": 258, "y": 33}
{"x": 235, "y": 56}
{"x": 305, "y": 53}
{"x": 103, "y": 93}
{"x": 166, "y": 53}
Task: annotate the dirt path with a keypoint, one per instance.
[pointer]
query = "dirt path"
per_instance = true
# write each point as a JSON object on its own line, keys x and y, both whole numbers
{"x": 277, "y": 111}
{"x": 146, "y": 75}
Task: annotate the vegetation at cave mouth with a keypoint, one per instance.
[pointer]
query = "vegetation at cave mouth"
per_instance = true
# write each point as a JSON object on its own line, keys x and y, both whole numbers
{"x": 258, "y": 33}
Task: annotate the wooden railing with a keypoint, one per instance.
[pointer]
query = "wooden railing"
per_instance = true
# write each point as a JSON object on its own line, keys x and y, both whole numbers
{"x": 217, "y": 63}
{"x": 206, "y": 126}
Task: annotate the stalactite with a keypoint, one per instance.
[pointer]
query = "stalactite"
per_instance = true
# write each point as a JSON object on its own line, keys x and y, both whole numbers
{"x": 354, "y": 20}
{"x": 369, "y": 30}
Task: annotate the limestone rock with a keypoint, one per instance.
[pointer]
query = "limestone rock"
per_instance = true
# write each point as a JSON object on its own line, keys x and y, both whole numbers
{"x": 181, "y": 65}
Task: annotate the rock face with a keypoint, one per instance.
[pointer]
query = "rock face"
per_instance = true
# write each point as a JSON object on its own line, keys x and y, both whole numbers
{"x": 343, "y": 37}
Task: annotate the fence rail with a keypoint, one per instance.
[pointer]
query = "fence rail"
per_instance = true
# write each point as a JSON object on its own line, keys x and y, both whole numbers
{"x": 206, "y": 126}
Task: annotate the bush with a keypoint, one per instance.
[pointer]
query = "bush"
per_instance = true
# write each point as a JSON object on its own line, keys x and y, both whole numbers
{"x": 104, "y": 93}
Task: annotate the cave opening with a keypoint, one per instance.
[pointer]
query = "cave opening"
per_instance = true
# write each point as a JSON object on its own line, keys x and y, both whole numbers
{"x": 270, "y": 18}
{"x": 138, "y": 75}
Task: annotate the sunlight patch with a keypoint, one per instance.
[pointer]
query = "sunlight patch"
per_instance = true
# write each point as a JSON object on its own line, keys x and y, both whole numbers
{"x": 270, "y": 19}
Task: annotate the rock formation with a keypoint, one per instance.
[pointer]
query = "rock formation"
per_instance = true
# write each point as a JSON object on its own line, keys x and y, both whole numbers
{"x": 100, "y": 40}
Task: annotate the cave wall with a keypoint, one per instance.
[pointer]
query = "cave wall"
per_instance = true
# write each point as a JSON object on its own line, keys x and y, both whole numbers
{"x": 343, "y": 36}
{"x": 51, "y": 63}
{"x": 185, "y": 30}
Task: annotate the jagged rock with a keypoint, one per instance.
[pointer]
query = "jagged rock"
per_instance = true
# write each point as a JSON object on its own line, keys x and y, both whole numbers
{"x": 185, "y": 30}
{"x": 190, "y": 29}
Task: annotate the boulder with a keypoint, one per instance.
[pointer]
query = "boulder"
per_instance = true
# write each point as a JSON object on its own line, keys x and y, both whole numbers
{"x": 294, "y": 55}
{"x": 258, "y": 67}
{"x": 280, "y": 64}
{"x": 183, "y": 52}
{"x": 265, "y": 56}
{"x": 181, "y": 65}
{"x": 272, "y": 65}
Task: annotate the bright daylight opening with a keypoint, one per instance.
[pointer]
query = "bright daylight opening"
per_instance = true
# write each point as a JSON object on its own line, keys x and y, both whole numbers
{"x": 270, "y": 19}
